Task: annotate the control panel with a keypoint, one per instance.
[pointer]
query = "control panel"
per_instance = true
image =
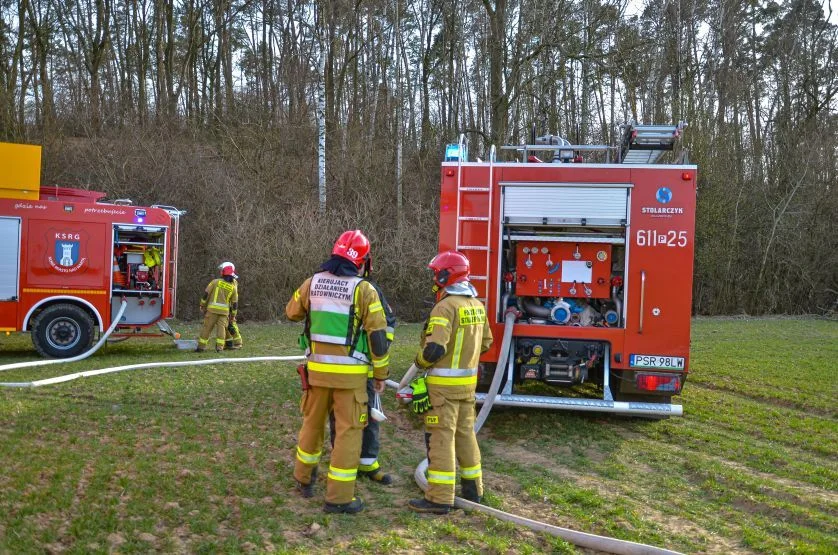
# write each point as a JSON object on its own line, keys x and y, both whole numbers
{"x": 563, "y": 269}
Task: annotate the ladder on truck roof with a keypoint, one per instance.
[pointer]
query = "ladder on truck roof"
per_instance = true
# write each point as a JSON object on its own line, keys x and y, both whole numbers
{"x": 645, "y": 144}
{"x": 464, "y": 248}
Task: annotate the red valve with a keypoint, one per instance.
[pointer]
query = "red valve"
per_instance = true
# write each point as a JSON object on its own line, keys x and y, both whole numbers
{"x": 616, "y": 281}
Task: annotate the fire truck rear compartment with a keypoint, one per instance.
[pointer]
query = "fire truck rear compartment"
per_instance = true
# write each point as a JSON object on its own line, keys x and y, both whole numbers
{"x": 138, "y": 272}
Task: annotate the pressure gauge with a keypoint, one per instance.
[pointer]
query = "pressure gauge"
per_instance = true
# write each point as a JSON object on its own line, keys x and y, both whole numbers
{"x": 526, "y": 250}
{"x": 544, "y": 250}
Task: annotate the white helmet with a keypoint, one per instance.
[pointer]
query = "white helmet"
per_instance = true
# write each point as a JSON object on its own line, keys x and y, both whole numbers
{"x": 231, "y": 271}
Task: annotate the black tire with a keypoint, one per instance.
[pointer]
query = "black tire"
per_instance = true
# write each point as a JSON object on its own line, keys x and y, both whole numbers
{"x": 62, "y": 331}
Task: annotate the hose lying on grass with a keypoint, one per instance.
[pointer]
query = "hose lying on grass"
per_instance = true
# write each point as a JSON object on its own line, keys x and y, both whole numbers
{"x": 581, "y": 539}
{"x": 76, "y": 358}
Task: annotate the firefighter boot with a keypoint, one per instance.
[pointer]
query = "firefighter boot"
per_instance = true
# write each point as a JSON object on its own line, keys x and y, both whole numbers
{"x": 377, "y": 476}
{"x": 470, "y": 491}
{"x": 354, "y": 506}
{"x": 429, "y": 507}
{"x": 307, "y": 490}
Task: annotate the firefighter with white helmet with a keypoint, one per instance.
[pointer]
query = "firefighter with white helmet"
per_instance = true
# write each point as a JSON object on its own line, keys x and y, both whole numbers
{"x": 219, "y": 304}
{"x": 232, "y": 334}
{"x": 455, "y": 335}
{"x": 345, "y": 335}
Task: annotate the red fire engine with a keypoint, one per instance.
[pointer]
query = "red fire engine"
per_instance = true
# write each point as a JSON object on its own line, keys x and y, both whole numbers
{"x": 595, "y": 259}
{"x": 68, "y": 260}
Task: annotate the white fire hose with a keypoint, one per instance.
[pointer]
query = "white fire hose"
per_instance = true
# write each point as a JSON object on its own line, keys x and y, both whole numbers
{"x": 581, "y": 539}
{"x": 76, "y": 358}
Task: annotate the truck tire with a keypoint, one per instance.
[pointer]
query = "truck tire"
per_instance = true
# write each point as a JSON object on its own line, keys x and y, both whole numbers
{"x": 62, "y": 331}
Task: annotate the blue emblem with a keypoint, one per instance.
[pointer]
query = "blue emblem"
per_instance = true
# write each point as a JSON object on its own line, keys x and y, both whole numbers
{"x": 664, "y": 195}
{"x": 66, "y": 252}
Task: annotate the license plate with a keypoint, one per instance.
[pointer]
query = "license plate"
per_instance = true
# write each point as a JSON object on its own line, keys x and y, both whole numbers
{"x": 656, "y": 361}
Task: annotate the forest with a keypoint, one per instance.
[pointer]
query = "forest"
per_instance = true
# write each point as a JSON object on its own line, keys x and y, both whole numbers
{"x": 224, "y": 108}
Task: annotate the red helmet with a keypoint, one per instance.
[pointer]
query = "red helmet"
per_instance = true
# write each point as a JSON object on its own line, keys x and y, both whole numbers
{"x": 228, "y": 269}
{"x": 449, "y": 267}
{"x": 353, "y": 246}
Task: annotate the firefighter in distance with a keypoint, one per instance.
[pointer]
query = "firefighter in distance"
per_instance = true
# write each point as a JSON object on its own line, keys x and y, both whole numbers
{"x": 219, "y": 304}
{"x": 232, "y": 334}
{"x": 455, "y": 335}
{"x": 344, "y": 337}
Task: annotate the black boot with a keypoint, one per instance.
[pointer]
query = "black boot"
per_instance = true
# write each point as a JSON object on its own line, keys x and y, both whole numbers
{"x": 307, "y": 490}
{"x": 354, "y": 506}
{"x": 470, "y": 490}
{"x": 425, "y": 506}
{"x": 377, "y": 476}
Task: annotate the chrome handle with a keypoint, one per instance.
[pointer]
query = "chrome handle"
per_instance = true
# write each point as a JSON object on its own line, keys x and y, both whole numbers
{"x": 642, "y": 298}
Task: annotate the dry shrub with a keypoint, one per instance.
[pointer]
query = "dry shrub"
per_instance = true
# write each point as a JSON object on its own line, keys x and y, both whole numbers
{"x": 251, "y": 198}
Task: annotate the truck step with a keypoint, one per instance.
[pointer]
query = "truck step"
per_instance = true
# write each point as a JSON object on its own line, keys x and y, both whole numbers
{"x": 476, "y": 189}
{"x": 591, "y": 405}
{"x": 473, "y": 218}
{"x": 471, "y": 248}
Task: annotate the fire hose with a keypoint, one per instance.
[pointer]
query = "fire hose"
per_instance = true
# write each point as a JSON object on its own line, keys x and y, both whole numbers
{"x": 76, "y": 358}
{"x": 580, "y": 539}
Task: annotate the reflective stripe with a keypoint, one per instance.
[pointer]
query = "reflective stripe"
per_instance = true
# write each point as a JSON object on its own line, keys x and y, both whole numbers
{"x": 343, "y": 474}
{"x": 441, "y": 477}
{"x": 338, "y": 368}
{"x": 458, "y": 348}
{"x": 219, "y": 306}
{"x": 452, "y": 372}
{"x": 375, "y": 307}
{"x": 333, "y": 339}
{"x": 368, "y": 465}
{"x": 436, "y": 380}
{"x": 382, "y": 362}
{"x": 219, "y": 341}
{"x": 438, "y": 320}
{"x": 297, "y": 295}
{"x": 307, "y": 458}
{"x": 471, "y": 472}
{"x": 203, "y": 341}
{"x": 337, "y": 359}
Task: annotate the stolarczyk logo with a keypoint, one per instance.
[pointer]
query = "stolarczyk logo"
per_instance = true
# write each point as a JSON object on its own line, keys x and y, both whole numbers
{"x": 664, "y": 195}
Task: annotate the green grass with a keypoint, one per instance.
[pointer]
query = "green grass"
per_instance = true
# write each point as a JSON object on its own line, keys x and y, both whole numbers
{"x": 198, "y": 459}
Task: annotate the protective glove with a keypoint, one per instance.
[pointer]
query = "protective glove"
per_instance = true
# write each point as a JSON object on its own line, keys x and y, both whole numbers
{"x": 421, "y": 400}
{"x": 231, "y": 328}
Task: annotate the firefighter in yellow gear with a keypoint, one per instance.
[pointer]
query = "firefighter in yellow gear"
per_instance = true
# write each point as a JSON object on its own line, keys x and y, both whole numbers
{"x": 219, "y": 304}
{"x": 232, "y": 334}
{"x": 345, "y": 336}
{"x": 455, "y": 335}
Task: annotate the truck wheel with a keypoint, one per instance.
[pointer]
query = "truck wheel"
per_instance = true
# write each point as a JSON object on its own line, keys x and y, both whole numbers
{"x": 62, "y": 331}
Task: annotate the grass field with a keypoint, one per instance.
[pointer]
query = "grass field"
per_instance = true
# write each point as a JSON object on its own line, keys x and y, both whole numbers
{"x": 198, "y": 459}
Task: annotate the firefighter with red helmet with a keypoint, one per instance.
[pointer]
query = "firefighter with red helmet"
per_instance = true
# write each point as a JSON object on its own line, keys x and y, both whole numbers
{"x": 232, "y": 334}
{"x": 455, "y": 335}
{"x": 345, "y": 336}
{"x": 219, "y": 304}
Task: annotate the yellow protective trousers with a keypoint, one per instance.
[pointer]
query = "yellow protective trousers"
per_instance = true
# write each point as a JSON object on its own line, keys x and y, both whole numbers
{"x": 350, "y": 409}
{"x": 213, "y": 322}
{"x": 450, "y": 440}
{"x": 234, "y": 338}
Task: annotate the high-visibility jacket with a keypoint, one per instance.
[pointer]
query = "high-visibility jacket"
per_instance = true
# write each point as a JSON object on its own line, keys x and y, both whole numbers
{"x": 340, "y": 312}
{"x": 459, "y": 324}
{"x": 221, "y": 297}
